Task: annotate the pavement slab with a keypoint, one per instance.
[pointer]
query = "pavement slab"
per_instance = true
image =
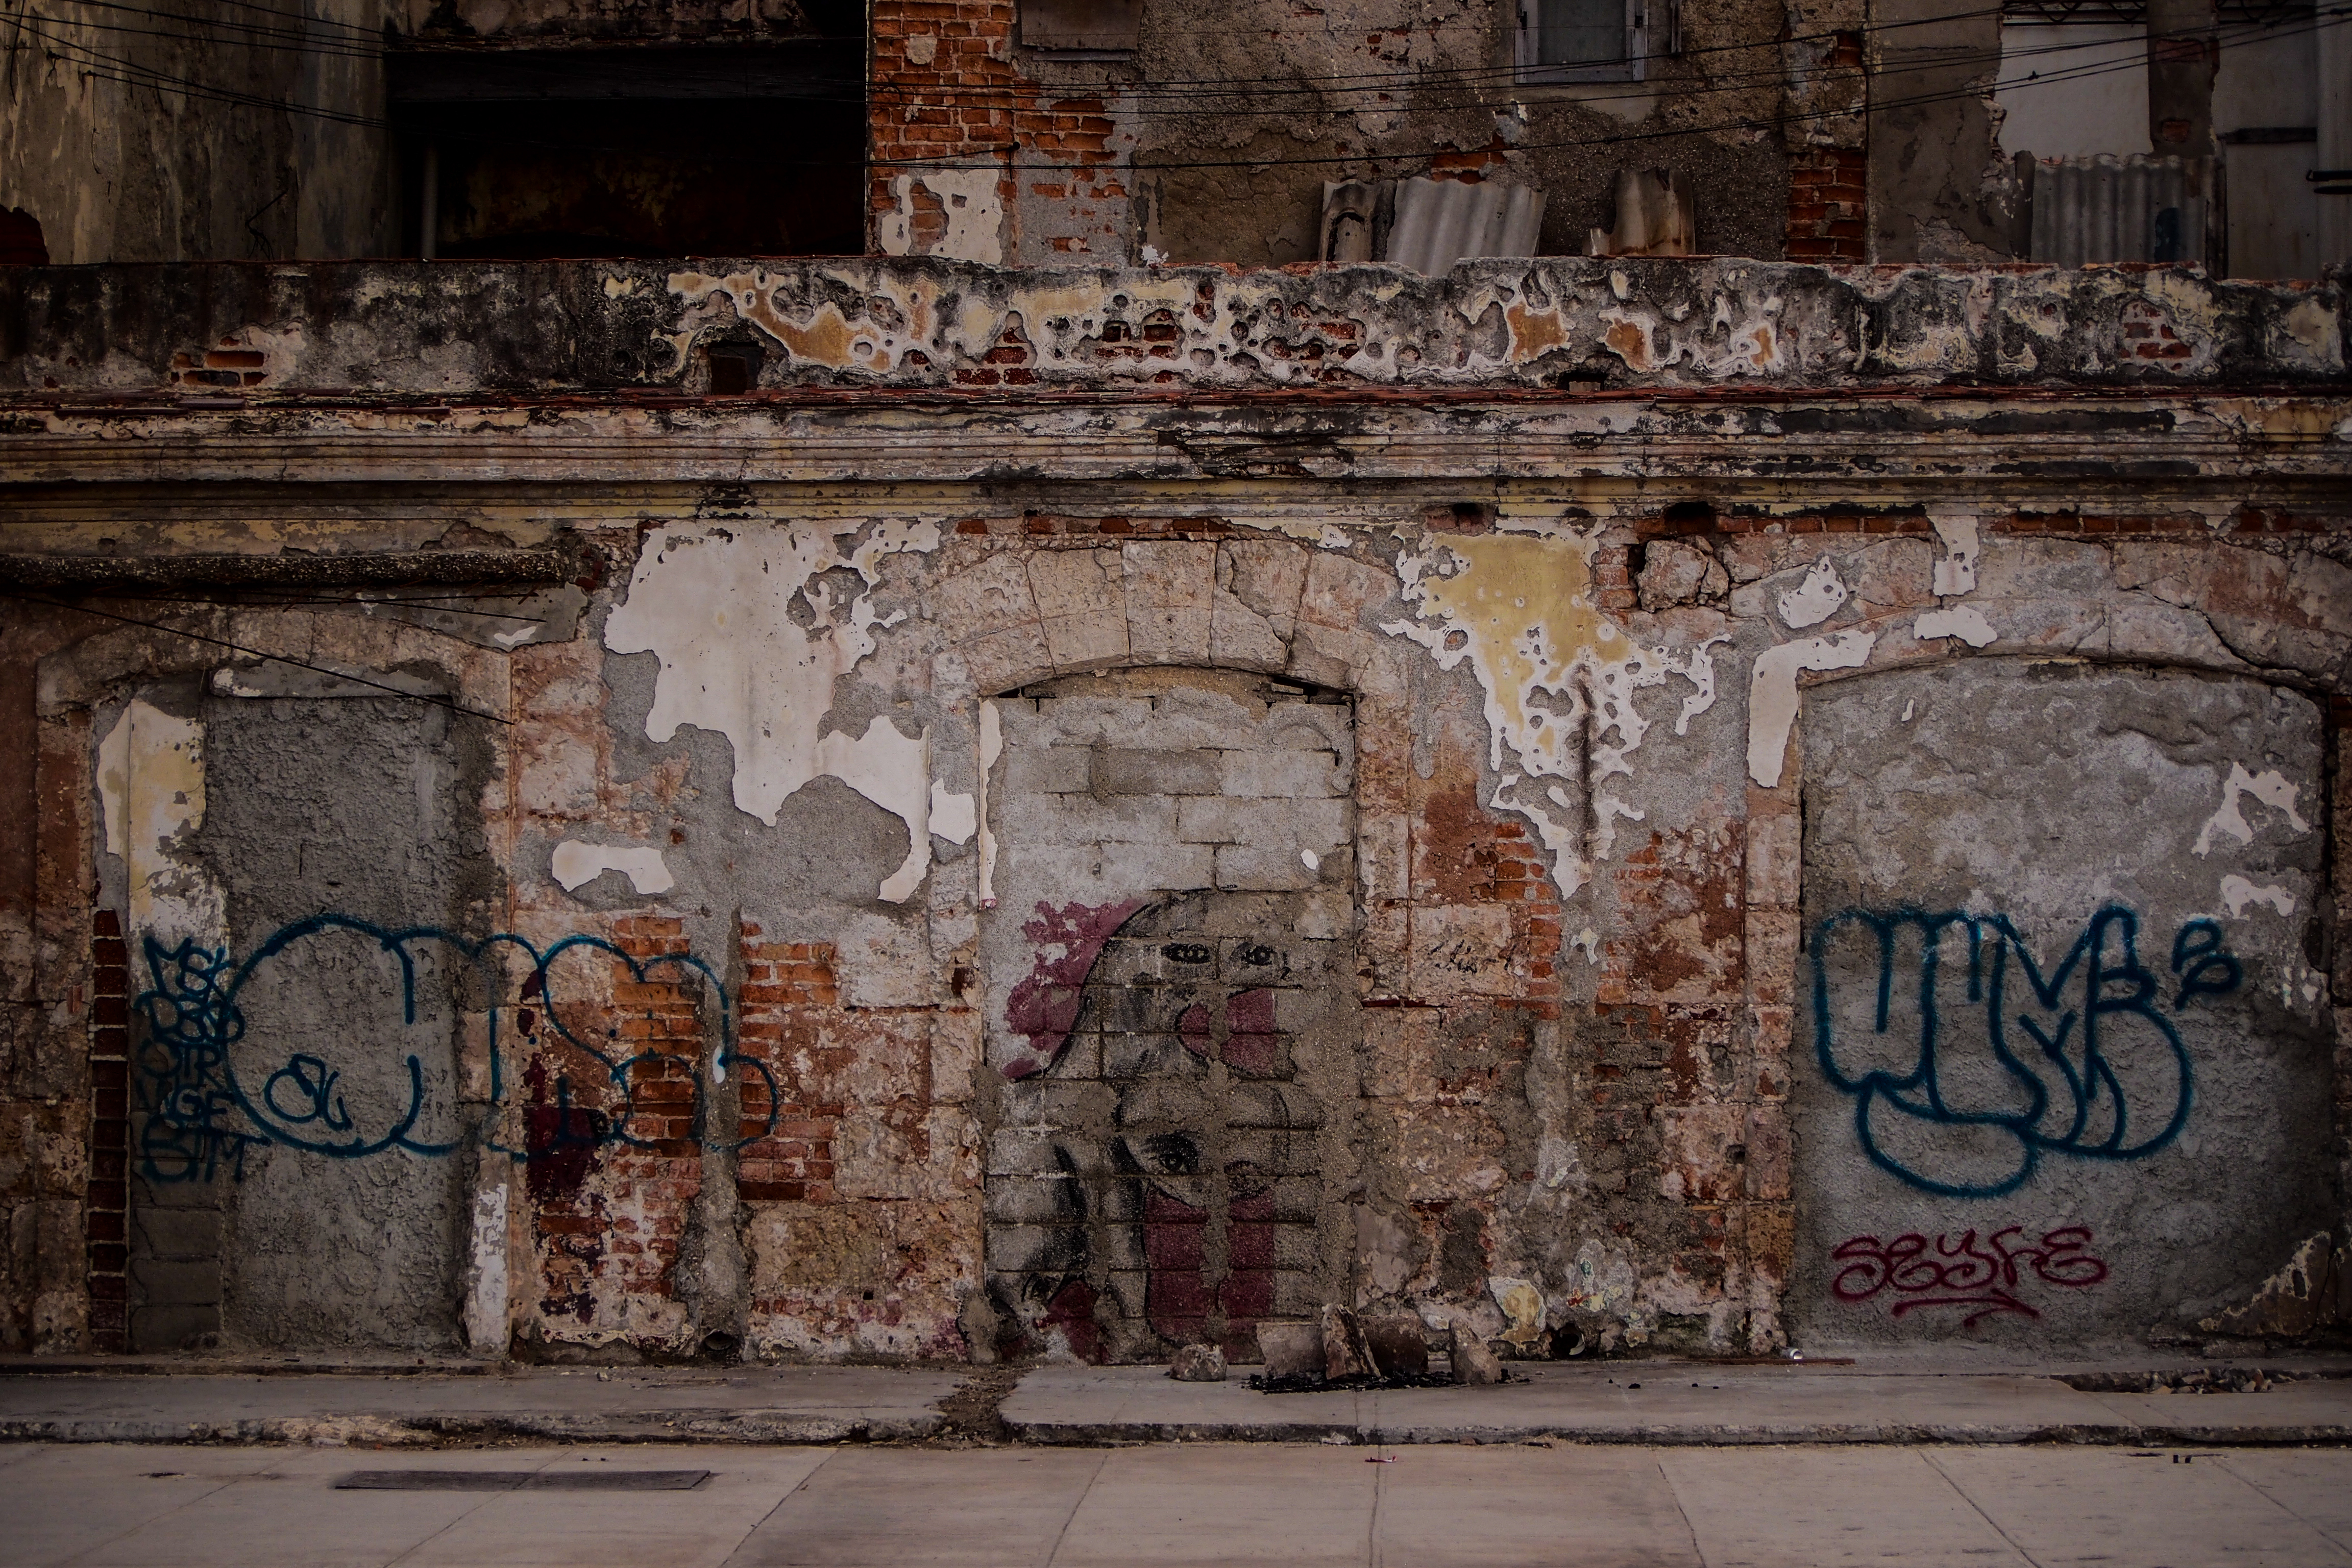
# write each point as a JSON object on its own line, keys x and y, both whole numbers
{"x": 1668, "y": 1402}
{"x": 1811, "y": 1507}
{"x": 911, "y": 1508}
{"x": 2114, "y": 1505}
{"x": 761, "y": 1405}
{"x": 1188, "y": 1505}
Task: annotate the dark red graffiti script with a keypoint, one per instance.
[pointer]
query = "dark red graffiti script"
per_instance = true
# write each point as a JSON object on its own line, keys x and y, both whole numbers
{"x": 1982, "y": 1276}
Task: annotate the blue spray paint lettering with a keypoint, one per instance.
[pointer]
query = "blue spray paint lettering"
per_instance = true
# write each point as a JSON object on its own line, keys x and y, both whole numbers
{"x": 1962, "y": 1086}
{"x": 202, "y": 1117}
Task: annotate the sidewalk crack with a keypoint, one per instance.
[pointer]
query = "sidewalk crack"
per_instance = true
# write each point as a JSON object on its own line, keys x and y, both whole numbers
{"x": 1962, "y": 1492}
{"x": 1054, "y": 1553}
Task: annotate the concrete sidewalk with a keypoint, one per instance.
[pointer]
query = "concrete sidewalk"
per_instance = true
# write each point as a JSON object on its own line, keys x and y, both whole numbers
{"x": 1198, "y": 1505}
{"x": 1660, "y": 1402}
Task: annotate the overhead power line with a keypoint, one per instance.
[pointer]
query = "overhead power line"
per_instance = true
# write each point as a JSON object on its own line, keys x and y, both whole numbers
{"x": 450, "y": 703}
{"x": 141, "y": 75}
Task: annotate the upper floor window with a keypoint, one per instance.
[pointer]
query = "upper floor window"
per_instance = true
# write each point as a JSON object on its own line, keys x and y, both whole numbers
{"x": 1582, "y": 40}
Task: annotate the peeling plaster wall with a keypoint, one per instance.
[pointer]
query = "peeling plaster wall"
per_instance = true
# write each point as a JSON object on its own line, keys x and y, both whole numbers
{"x": 734, "y": 1004}
{"x": 117, "y": 172}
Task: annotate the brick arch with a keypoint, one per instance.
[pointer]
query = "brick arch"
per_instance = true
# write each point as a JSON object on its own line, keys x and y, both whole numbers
{"x": 1268, "y": 604}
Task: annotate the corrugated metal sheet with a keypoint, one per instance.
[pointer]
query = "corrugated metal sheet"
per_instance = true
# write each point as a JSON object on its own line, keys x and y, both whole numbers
{"x": 1441, "y": 222}
{"x": 2111, "y": 208}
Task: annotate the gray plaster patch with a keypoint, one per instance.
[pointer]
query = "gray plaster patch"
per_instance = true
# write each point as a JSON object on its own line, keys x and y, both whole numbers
{"x": 353, "y": 810}
{"x": 2048, "y": 1087}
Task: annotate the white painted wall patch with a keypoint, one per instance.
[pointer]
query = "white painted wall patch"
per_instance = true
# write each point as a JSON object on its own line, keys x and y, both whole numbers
{"x": 2269, "y": 787}
{"x": 1965, "y": 622}
{"x": 1817, "y": 598}
{"x": 1772, "y": 694}
{"x": 2237, "y": 893}
{"x": 575, "y": 864}
{"x": 953, "y": 816}
{"x": 1956, "y": 572}
{"x": 975, "y": 215}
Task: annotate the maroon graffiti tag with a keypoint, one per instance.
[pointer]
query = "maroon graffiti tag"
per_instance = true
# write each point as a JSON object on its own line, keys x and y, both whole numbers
{"x": 1044, "y": 1004}
{"x": 1983, "y": 1276}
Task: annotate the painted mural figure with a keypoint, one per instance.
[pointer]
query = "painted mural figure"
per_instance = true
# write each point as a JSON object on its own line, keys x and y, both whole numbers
{"x": 1185, "y": 1143}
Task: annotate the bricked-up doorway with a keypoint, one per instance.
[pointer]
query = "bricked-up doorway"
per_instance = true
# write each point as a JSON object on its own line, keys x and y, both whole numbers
{"x": 1173, "y": 1029}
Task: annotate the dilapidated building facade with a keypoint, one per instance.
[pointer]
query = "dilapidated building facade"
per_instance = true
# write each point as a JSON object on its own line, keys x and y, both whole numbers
{"x": 1018, "y": 797}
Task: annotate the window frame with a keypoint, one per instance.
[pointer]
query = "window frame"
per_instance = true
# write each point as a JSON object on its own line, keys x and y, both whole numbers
{"x": 1529, "y": 72}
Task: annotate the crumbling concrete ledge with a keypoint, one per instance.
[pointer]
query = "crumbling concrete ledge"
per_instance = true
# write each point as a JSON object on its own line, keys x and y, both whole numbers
{"x": 748, "y": 1405}
{"x": 245, "y": 334}
{"x": 1674, "y": 1404}
{"x": 1650, "y": 1403}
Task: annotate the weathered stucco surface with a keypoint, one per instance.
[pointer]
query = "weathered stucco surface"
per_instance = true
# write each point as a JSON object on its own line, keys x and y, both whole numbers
{"x": 2031, "y": 1008}
{"x": 790, "y": 805}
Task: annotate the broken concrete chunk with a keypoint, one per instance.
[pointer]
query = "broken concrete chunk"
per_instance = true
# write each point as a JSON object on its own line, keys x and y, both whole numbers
{"x": 1198, "y": 1364}
{"x": 1399, "y": 1347}
{"x": 1345, "y": 1352}
{"x": 1474, "y": 1363}
{"x": 1290, "y": 1350}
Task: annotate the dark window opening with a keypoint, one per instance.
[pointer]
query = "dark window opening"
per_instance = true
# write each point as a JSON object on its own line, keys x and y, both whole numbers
{"x": 1582, "y": 40}
{"x": 649, "y": 151}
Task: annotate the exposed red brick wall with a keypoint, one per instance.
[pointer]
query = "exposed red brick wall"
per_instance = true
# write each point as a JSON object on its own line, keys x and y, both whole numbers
{"x": 968, "y": 104}
{"x": 608, "y": 1214}
{"x": 107, "y": 1211}
{"x": 785, "y": 985}
{"x": 1828, "y": 195}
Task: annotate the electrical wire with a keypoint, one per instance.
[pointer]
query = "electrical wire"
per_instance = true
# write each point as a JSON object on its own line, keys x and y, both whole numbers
{"x": 1130, "y": 93}
{"x": 451, "y": 703}
{"x": 2257, "y": 33}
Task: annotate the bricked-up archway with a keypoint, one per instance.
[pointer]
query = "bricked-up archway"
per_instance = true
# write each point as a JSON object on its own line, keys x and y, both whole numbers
{"x": 1172, "y": 1016}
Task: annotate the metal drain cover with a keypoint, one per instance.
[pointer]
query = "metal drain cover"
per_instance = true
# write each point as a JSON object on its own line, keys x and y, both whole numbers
{"x": 580, "y": 1480}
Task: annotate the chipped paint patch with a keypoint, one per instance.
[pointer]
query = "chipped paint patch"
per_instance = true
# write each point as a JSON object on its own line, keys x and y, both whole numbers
{"x": 1772, "y": 694}
{"x": 574, "y": 865}
{"x": 893, "y": 771}
{"x": 975, "y": 215}
{"x": 1965, "y": 622}
{"x": 1558, "y": 678}
{"x": 1956, "y": 570}
{"x": 991, "y": 747}
{"x": 752, "y": 629}
{"x": 1816, "y": 599}
{"x": 151, "y": 786}
{"x": 487, "y": 1321}
{"x": 954, "y": 817}
{"x": 2269, "y": 787}
{"x": 825, "y": 337}
{"x": 2237, "y": 893}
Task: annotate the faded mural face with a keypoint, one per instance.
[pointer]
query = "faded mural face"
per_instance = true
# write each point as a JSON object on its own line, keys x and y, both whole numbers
{"x": 1180, "y": 1209}
{"x": 1180, "y": 1045}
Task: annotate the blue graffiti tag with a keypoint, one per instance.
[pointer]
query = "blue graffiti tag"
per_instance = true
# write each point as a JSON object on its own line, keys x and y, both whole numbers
{"x": 1964, "y": 1100}
{"x": 201, "y": 1118}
